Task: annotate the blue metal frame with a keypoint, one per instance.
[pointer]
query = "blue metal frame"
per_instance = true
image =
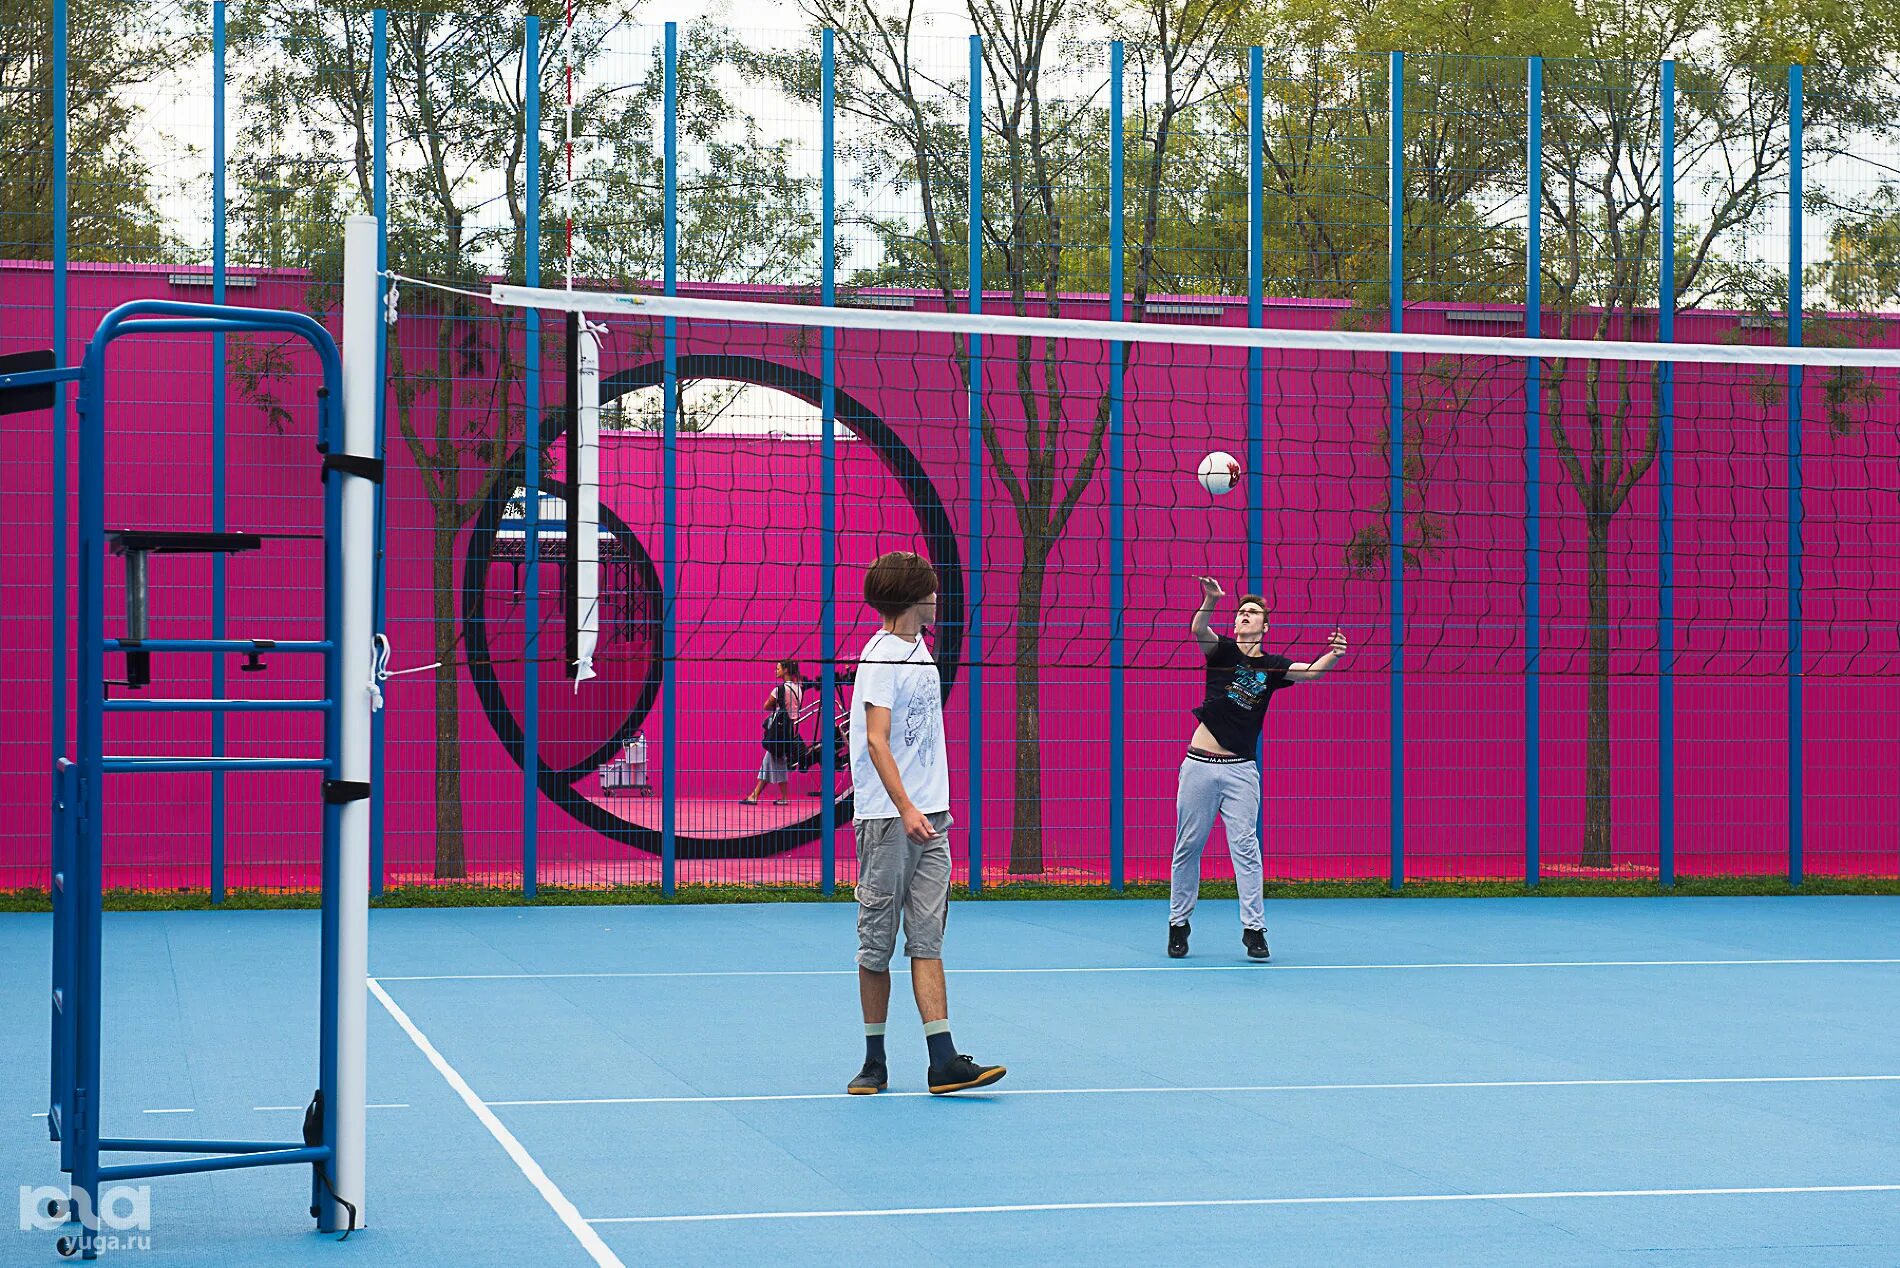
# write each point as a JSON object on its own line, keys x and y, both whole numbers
{"x": 219, "y": 439}
{"x": 65, "y": 776}
{"x": 1797, "y": 817}
{"x": 531, "y": 478}
{"x": 1117, "y": 495}
{"x": 1256, "y": 317}
{"x": 973, "y": 645}
{"x": 379, "y": 76}
{"x": 1666, "y": 503}
{"x": 669, "y": 576}
{"x": 75, "y": 1110}
{"x": 1533, "y": 475}
{"x": 828, "y": 474}
{"x": 1395, "y": 483}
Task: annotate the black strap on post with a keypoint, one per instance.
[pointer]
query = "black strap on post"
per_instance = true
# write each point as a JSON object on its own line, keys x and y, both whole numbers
{"x": 370, "y": 469}
{"x": 339, "y": 792}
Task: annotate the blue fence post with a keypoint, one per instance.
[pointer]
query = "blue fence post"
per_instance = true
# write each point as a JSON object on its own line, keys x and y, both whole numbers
{"x": 973, "y": 642}
{"x": 1256, "y": 316}
{"x": 669, "y": 628}
{"x": 1796, "y": 797}
{"x": 219, "y": 455}
{"x": 1533, "y": 478}
{"x": 531, "y": 480}
{"x": 828, "y": 563}
{"x": 1117, "y": 496}
{"x": 1395, "y": 444}
{"x": 1666, "y": 504}
{"x": 61, "y": 422}
{"x": 379, "y": 194}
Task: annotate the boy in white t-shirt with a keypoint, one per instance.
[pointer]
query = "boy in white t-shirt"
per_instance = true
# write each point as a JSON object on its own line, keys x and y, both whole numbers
{"x": 900, "y": 782}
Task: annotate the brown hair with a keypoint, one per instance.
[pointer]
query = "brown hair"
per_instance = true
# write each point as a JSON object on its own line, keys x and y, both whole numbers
{"x": 790, "y": 666}
{"x": 1254, "y": 599}
{"x": 898, "y": 580}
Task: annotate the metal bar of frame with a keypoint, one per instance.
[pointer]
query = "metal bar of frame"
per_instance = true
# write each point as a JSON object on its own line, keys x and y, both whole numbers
{"x": 1395, "y": 476}
{"x": 1797, "y": 818}
{"x": 1666, "y": 502}
{"x": 61, "y": 422}
{"x": 973, "y": 641}
{"x": 669, "y": 388}
{"x": 1533, "y": 476}
{"x": 1256, "y": 316}
{"x": 531, "y": 476}
{"x": 1256, "y": 357}
{"x": 379, "y": 87}
{"x": 828, "y": 475}
{"x": 219, "y": 438}
{"x": 1117, "y": 495}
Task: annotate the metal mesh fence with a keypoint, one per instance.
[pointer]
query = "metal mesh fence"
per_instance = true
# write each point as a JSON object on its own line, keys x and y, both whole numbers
{"x": 1627, "y": 534}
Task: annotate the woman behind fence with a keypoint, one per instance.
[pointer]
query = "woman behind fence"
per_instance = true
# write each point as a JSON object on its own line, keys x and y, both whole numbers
{"x": 781, "y": 738}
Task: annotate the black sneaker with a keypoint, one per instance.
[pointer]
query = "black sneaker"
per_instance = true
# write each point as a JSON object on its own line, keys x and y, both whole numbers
{"x": 1177, "y": 941}
{"x": 959, "y": 1074}
{"x": 871, "y": 1079}
{"x": 1255, "y": 940}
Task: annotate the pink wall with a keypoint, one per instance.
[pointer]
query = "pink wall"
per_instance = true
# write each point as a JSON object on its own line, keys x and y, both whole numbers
{"x": 749, "y": 585}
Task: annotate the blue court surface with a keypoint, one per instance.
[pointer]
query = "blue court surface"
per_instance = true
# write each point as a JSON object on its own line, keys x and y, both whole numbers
{"x": 1544, "y": 1081}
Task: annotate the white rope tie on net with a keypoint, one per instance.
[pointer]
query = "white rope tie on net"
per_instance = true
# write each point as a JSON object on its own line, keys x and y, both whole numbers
{"x": 380, "y": 672}
{"x": 392, "y": 304}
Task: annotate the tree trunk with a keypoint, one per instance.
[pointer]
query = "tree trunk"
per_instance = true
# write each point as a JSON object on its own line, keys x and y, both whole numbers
{"x": 1596, "y": 795}
{"x": 1025, "y": 842}
{"x": 450, "y": 858}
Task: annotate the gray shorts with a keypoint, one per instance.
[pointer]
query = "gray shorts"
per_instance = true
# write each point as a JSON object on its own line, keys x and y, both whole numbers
{"x": 897, "y": 876}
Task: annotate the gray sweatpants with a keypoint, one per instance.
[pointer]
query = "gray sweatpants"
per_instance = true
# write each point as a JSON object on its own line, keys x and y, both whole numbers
{"x": 1230, "y": 789}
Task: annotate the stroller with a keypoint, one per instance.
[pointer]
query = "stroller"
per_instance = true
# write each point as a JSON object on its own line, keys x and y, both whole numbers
{"x": 628, "y": 772}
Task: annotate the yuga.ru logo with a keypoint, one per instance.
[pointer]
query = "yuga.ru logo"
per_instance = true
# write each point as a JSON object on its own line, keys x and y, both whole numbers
{"x": 123, "y": 1220}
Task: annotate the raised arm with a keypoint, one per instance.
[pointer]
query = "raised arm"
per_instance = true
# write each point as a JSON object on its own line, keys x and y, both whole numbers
{"x": 1203, "y": 632}
{"x": 1307, "y": 672}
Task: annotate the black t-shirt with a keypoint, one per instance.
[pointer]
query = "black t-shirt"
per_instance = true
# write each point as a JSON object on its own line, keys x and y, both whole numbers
{"x": 1238, "y": 689}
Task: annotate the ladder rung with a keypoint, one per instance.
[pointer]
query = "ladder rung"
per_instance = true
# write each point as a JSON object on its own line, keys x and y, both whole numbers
{"x": 125, "y": 764}
{"x": 191, "y": 1166}
{"x": 240, "y": 646}
{"x": 128, "y": 705}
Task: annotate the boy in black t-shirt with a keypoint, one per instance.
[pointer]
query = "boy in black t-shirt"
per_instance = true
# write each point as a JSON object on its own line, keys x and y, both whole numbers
{"x": 1220, "y": 775}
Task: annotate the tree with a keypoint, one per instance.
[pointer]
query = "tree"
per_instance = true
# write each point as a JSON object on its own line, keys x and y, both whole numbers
{"x": 1601, "y": 203}
{"x": 114, "y": 48}
{"x": 457, "y": 108}
{"x": 457, "y": 119}
{"x": 1042, "y": 140}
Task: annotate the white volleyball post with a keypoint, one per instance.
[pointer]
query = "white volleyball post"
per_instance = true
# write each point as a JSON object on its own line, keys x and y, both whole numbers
{"x": 361, "y": 331}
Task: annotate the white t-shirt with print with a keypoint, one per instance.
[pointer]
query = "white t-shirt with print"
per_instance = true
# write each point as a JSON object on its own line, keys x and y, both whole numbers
{"x": 900, "y": 675}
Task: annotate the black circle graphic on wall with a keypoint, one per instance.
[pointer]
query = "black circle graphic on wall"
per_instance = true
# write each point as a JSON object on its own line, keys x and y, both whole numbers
{"x": 631, "y": 597}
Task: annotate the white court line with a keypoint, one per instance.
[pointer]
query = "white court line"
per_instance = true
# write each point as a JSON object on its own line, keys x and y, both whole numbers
{"x": 1224, "y": 1089}
{"x": 567, "y": 1212}
{"x": 1162, "y": 1204}
{"x": 1161, "y": 968}
{"x": 169, "y": 1111}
